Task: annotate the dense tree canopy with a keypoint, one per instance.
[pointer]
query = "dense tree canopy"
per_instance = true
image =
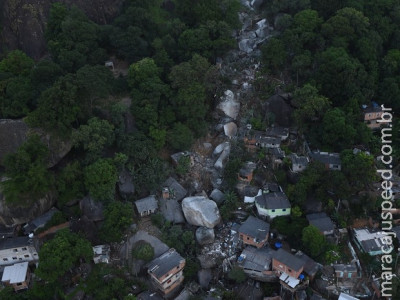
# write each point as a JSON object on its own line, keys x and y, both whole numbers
{"x": 60, "y": 254}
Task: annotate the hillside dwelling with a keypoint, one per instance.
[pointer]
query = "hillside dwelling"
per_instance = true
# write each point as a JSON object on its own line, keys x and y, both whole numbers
{"x": 344, "y": 296}
{"x": 257, "y": 263}
{"x": 272, "y": 205}
{"x": 370, "y": 241}
{"x": 39, "y": 222}
{"x": 311, "y": 267}
{"x": 6, "y": 232}
{"x": 17, "y": 276}
{"x": 268, "y": 142}
{"x": 299, "y": 163}
{"x": 166, "y": 271}
{"x": 322, "y": 222}
{"x": 147, "y": 206}
{"x": 346, "y": 271}
{"x": 279, "y": 132}
{"x": 101, "y": 254}
{"x": 17, "y": 249}
{"x": 331, "y": 161}
{"x": 250, "y": 193}
{"x": 172, "y": 189}
{"x": 254, "y": 232}
{"x": 371, "y": 115}
{"x": 286, "y": 263}
{"x": 246, "y": 173}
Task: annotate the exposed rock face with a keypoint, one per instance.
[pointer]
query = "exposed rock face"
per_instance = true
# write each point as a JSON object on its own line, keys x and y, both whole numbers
{"x": 205, "y": 235}
{"x": 14, "y": 215}
{"x": 217, "y": 196}
{"x": 13, "y": 133}
{"x": 280, "y": 109}
{"x": 204, "y": 277}
{"x": 230, "y": 129}
{"x": 206, "y": 261}
{"x": 125, "y": 184}
{"x": 229, "y": 105}
{"x": 200, "y": 211}
{"x": 171, "y": 210}
{"x": 219, "y": 164}
{"x": 23, "y": 22}
{"x": 93, "y": 210}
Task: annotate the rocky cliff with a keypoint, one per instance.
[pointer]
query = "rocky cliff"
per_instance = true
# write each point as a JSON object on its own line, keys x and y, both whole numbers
{"x": 23, "y": 22}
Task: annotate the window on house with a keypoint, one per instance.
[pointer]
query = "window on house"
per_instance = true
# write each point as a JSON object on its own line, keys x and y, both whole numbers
{"x": 19, "y": 283}
{"x": 273, "y": 210}
{"x": 26, "y": 255}
{"x": 20, "y": 258}
{"x": 14, "y": 258}
{"x": 15, "y": 250}
{"x": 248, "y": 238}
{"x": 5, "y": 259}
{"x": 24, "y": 249}
{"x": 177, "y": 267}
{"x": 284, "y": 209}
{"x": 289, "y": 270}
{"x": 169, "y": 281}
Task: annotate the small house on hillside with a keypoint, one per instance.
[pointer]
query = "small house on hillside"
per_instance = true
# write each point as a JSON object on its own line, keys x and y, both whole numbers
{"x": 371, "y": 115}
{"x": 166, "y": 271}
{"x": 17, "y": 249}
{"x": 331, "y": 161}
{"x": 371, "y": 241}
{"x": 322, "y": 222}
{"x": 172, "y": 189}
{"x": 147, "y": 206}
{"x": 17, "y": 276}
{"x": 254, "y": 232}
{"x": 272, "y": 205}
{"x": 285, "y": 262}
{"x": 279, "y": 132}
{"x": 299, "y": 163}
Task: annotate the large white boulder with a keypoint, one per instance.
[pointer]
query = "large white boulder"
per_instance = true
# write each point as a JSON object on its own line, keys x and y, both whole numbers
{"x": 201, "y": 211}
{"x": 229, "y": 105}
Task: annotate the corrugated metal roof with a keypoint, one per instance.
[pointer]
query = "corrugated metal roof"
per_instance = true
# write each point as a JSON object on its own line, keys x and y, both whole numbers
{"x": 15, "y": 273}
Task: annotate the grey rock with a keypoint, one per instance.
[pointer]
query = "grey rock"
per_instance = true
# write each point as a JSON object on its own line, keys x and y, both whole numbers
{"x": 217, "y": 196}
{"x": 204, "y": 276}
{"x": 229, "y": 105}
{"x": 219, "y": 164}
{"x": 13, "y": 133}
{"x": 171, "y": 210}
{"x": 200, "y": 211}
{"x": 92, "y": 209}
{"x": 125, "y": 184}
{"x": 207, "y": 146}
{"x": 218, "y": 150}
{"x": 206, "y": 261}
{"x": 205, "y": 235}
{"x": 230, "y": 129}
{"x": 256, "y": 3}
{"x": 14, "y": 214}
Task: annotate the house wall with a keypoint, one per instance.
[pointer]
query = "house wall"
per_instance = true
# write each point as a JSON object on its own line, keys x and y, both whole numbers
{"x": 18, "y": 254}
{"x": 272, "y": 214}
{"x": 280, "y": 267}
{"x": 373, "y": 124}
{"x": 372, "y": 116}
{"x": 249, "y": 240}
{"x": 298, "y": 168}
{"x": 168, "y": 274}
{"x": 169, "y": 284}
{"x": 334, "y": 167}
{"x": 21, "y": 285}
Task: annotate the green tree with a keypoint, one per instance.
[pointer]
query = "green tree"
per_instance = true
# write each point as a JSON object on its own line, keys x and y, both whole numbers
{"x": 180, "y": 137}
{"x": 69, "y": 183}
{"x": 237, "y": 274}
{"x": 94, "y": 137}
{"x": 143, "y": 251}
{"x": 73, "y": 40}
{"x": 58, "y": 107}
{"x": 26, "y": 171}
{"x": 359, "y": 169}
{"x": 16, "y": 63}
{"x": 274, "y": 54}
{"x": 313, "y": 240}
{"x": 100, "y": 178}
{"x": 118, "y": 216}
{"x": 95, "y": 82}
{"x": 338, "y": 133}
{"x": 64, "y": 251}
